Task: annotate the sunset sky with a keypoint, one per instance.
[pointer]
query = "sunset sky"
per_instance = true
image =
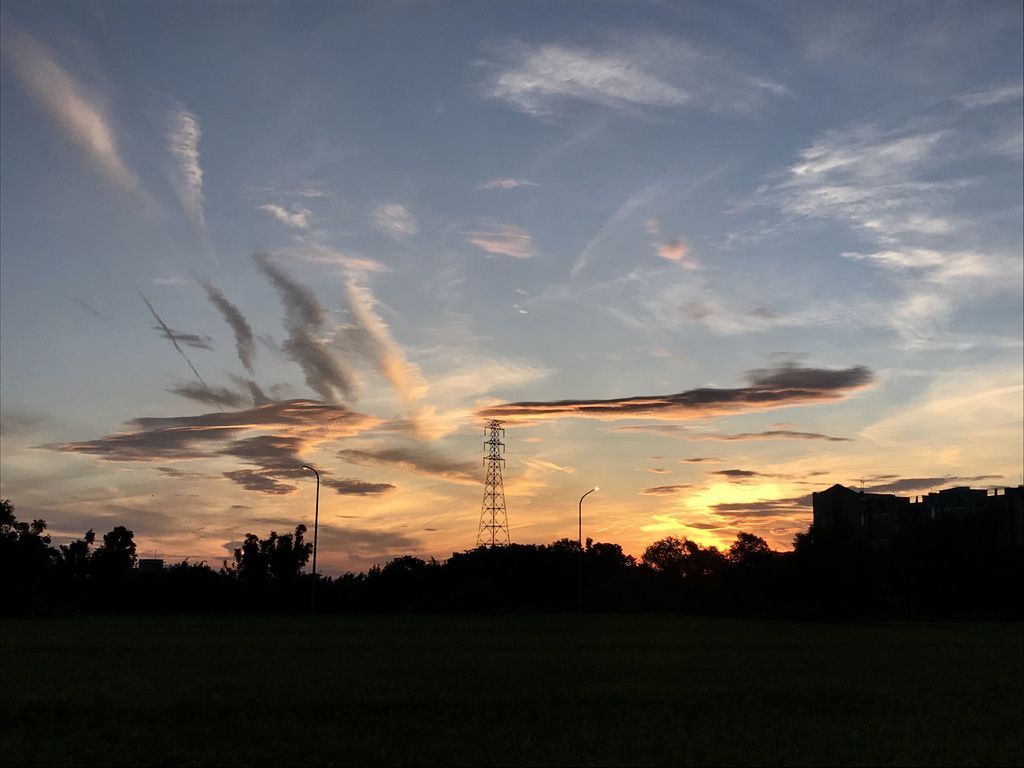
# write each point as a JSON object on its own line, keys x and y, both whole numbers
{"x": 709, "y": 256}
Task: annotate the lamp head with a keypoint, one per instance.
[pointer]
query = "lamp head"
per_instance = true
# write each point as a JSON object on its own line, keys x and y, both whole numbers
{"x": 596, "y": 488}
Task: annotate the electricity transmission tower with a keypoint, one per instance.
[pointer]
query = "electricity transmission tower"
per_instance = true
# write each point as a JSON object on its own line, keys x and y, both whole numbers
{"x": 493, "y": 529}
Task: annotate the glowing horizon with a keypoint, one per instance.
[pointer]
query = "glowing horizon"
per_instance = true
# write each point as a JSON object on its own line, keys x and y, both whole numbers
{"x": 707, "y": 259}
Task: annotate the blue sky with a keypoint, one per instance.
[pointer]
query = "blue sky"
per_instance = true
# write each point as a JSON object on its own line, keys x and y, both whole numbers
{"x": 784, "y": 239}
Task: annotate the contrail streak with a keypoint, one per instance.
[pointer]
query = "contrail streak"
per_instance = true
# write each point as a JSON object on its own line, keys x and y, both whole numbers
{"x": 170, "y": 335}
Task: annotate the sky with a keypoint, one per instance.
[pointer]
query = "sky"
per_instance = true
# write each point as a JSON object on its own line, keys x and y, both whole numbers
{"x": 708, "y": 256}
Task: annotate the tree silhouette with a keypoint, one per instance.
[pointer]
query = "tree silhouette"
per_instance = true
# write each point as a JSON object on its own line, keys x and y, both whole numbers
{"x": 278, "y": 558}
{"x": 748, "y": 549}
{"x": 25, "y": 560}
{"x": 115, "y": 558}
{"x": 682, "y": 558}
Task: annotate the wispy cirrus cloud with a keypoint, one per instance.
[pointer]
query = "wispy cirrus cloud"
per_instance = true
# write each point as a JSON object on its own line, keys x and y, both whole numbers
{"x": 354, "y": 487}
{"x": 631, "y": 74}
{"x": 682, "y": 432}
{"x": 905, "y": 484}
{"x": 313, "y": 252}
{"x": 946, "y": 268}
{"x": 297, "y": 217}
{"x": 371, "y": 337}
{"x": 417, "y": 460}
{"x": 183, "y": 136}
{"x": 665, "y": 490}
{"x": 737, "y": 475}
{"x": 193, "y": 340}
{"x": 507, "y": 183}
{"x": 1001, "y": 94}
{"x": 900, "y": 188}
{"x": 244, "y": 341}
{"x": 742, "y": 511}
{"x": 80, "y": 114}
{"x": 219, "y": 396}
{"x": 505, "y": 240}
{"x": 769, "y": 388}
{"x": 309, "y": 419}
{"x": 394, "y": 220}
{"x": 879, "y": 180}
{"x": 172, "y": 336}
{"x": 305, "y": 319}
{"x": 271, "y": 438}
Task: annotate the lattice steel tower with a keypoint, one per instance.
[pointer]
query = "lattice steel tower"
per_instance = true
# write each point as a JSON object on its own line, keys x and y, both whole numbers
{"x": 493, "y": 530}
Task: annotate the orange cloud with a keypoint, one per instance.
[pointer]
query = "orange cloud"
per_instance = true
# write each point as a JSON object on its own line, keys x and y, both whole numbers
{"x": 676, "y": 250}
{"x": 504, "y": 241}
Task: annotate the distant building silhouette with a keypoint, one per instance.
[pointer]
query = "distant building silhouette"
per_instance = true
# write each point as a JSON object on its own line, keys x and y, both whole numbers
{"x": 880, "y": 517}
{"x": 150, "y": 565}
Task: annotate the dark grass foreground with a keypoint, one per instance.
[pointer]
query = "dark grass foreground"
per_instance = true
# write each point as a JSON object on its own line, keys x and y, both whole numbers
{"x": 530, "y": 690}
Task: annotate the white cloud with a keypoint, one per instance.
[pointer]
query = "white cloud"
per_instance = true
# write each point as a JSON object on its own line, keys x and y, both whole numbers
{"x": 993, "y": 96}
{"x": 898, "y": 188}
{"x": 504, "y": 240}
{"x": 641, "y": 73}
{"x": 81, "y": 115}
{"x": 309, "y": 250}
{"x": 394, "y": 220}
{"x": 298, "y": 217}
{"x": 967, "y": 421}
{"x": 550, "y": 72}
{"x": 371, "y": 336}
{"x": 183, "y": 143}
{"x": 507, "y": 183}
{"x": 177, "y": 282}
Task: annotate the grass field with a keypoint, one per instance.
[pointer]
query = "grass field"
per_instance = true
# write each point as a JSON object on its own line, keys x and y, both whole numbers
{"x": 529, "y": 690}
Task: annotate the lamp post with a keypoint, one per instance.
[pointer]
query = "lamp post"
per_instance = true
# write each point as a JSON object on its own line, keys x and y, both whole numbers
{"x": 580, "y": 534}
{"x": 316, "y": 520}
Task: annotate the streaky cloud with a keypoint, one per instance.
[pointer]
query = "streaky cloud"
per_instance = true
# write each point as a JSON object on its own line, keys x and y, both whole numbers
{"x": 254, "y": 480}
{"x": 684, "y": 433}
{"x": 779, "y": 387}
{"x": 505, "y": 240}
{"x": 244, "y": 340}
{"x": 295, "y": 425}
{"x": 925, "y": 483}
{"x": 416, "y": 460}
{"x": 298, "y": 217}
{"x": 737, "y": 475}
{"x": 635, "y": 75}
{"x": 172, "y": 337}
{"x": 183, "y": 136}
{"x": 354, "y": 487}
{"x": 149, "y": 445}
{"x": 394, "y": 220}
{"x": 1003, "y": 94}
{"x": 305, "y": 318}
{"x": 507, "y": 183}
{"x": 219, "y": 396}
{"x": 80, "y": 115}
{"x": 665, "y": 490}
{"x": 193, "y": 340}
{"x": 371, "y": 337}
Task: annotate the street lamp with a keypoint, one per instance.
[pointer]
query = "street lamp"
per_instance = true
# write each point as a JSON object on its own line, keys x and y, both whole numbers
{"x": 580, "y": 534}
{"x": 316, "y": 520}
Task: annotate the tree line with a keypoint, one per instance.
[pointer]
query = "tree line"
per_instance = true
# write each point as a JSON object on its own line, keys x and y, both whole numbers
{"x": 949, "y": 569}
